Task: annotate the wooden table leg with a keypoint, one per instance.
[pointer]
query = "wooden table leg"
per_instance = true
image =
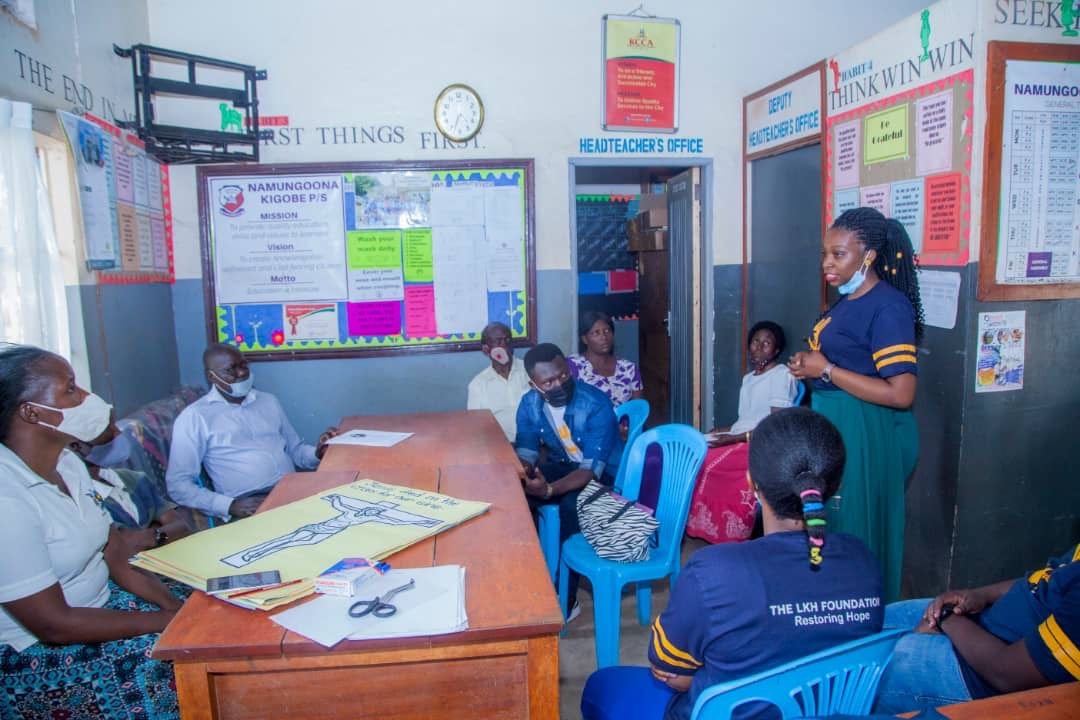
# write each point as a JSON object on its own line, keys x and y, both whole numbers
{"x": 193, "y": 691}
{"x": 544, "y": 678}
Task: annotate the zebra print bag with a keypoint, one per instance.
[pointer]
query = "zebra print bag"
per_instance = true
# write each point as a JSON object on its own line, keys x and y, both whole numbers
{"x": 616, "y": 528}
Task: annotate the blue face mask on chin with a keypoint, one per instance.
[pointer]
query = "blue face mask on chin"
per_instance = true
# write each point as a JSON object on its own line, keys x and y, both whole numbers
{"x": 857, "y": 279}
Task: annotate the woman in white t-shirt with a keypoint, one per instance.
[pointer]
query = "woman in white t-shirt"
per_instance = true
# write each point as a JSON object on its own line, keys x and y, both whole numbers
{"x": 721, "y": 510}
{"x": 77, "y": 621}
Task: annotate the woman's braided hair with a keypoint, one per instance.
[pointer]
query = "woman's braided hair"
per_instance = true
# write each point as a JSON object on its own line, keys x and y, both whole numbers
{"x": 796, "y": 460}
{"x": 896, "y": 261}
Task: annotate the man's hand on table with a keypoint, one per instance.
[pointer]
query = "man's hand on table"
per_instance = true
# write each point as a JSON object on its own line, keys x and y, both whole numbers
{"x": 245, "y": 507}
{"x": 320, "y": 449}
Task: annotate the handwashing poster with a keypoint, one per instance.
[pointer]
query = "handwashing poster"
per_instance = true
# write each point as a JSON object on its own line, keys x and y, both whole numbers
{"x": 1002, "y": 336}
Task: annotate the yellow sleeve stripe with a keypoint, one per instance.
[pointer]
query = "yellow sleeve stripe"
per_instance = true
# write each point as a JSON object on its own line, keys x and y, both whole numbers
{"x": 669, "y": 653}
{"x": 897, "y": 359}
{"x": 1076, "y": 554}
{"x": 892, "y": 349}
{"x": 1060, "y": 646}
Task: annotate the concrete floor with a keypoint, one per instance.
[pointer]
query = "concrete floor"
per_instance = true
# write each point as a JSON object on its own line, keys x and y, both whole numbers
{"x": 577, "y": 651}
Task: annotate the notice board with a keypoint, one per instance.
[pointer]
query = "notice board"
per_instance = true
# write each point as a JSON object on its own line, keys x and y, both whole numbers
{"x": 349, "y": 259}
{"x": 123, "y": 201}
{"x": 909, "y": 156}
{"x": 1030, "y": 248}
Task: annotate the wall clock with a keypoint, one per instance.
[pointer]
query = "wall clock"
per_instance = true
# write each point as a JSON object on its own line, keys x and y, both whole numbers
{"x": 459, "y": 112}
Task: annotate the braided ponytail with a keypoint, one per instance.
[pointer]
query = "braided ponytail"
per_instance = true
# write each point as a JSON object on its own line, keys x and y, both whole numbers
{"x": 813, "y": 512}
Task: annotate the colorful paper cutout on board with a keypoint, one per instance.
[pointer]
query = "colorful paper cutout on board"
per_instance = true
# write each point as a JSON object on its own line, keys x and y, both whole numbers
{"x": 374, "y": 318}
{"x": 942, "y": 225}
{"x": 885, "y": 135}
{"x": 416, "y": 250}
{"x": 877, "y": 197}
{"x": 907, "y": 207}
{"x": 420, "y": 311}
{"x": 934, "y": 142}
{"x": 846, "y": 154}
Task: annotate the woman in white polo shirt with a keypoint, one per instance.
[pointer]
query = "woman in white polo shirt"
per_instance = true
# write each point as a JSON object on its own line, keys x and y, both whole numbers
{"x": 76, "y": 620}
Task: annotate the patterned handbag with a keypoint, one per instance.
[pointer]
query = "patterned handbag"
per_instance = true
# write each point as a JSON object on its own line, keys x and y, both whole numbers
{"x": 616, "y": 528}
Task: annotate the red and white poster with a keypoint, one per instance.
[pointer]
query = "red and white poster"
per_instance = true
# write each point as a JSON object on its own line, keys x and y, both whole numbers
{"x": 641, "y": 73}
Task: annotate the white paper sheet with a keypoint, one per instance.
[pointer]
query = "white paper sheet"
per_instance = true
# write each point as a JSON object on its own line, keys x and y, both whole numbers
{"x": 370, "y": 438}
{"x": 939, "y": 290}
{"x": 435, "y": 606}
{"x": 460, "y": 279}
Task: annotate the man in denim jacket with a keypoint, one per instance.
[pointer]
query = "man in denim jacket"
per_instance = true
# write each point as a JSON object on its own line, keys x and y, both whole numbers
{"x": 576, "y": 423}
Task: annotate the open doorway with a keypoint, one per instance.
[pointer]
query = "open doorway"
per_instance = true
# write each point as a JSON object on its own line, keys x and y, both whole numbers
{"x": 659, "y": 291}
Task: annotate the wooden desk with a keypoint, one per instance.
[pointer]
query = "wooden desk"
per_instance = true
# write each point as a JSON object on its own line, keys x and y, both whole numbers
{"x": 234, "y": 663}
{"x": 470, "y": 437}
{"x": 1058, "y": 702}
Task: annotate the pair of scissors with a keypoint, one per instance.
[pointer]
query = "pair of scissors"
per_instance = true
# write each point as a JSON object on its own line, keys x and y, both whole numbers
{"x": 380, "y": 606}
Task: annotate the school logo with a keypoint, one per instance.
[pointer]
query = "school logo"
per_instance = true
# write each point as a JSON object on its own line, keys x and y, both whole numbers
{"x": 231, "y": 200}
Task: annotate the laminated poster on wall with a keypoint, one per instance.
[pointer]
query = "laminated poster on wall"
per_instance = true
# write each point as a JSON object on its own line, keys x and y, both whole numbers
{"x": 123, "y": 200}
{"x": 1000, "y": 358}
{"x": 1039, "y": 231}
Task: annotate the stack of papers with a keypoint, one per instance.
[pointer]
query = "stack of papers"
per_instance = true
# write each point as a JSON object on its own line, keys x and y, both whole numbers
{"x": 435, "y": 606}
{"x": 300, "y": 540}
{"x": 370, "y": 438}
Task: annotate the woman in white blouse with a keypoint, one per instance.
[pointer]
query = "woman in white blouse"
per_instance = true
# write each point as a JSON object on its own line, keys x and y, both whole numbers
{"x": 722, "y": 509}
{"x": 76, "y": 620}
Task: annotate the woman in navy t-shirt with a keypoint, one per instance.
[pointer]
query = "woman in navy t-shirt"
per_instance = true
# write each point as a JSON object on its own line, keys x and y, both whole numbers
{"x": 741, "y": 608}
{"x": 863, "y": 363}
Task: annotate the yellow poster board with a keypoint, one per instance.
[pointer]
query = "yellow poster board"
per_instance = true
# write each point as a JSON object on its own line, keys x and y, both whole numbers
{"x": 885, "y": 135}
{"x": 302, "y": 539}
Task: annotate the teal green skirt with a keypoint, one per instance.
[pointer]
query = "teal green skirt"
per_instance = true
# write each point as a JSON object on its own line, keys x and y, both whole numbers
{"x": 882, "y": 445}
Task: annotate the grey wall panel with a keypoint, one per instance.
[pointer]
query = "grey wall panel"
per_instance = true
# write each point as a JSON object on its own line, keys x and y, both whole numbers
{"x": 130, "y": 342}
{"x": 727, "y": 342}
{"x": 1019, "y": 498}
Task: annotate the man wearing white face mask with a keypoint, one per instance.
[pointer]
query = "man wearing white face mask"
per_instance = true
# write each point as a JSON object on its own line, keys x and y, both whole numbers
{"x": 499, "y": 388}
{"x": 240, "y": 435}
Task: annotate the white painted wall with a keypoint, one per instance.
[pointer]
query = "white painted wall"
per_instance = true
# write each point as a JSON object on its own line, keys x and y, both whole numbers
{"x": 74, "y": 41}
{"x": 536, "y": 65}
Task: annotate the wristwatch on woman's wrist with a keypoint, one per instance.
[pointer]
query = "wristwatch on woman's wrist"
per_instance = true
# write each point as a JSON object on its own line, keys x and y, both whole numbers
{"x": 160, "y": 537}
{"x": 826, "y": 374}
{"x": 947, "y": 611}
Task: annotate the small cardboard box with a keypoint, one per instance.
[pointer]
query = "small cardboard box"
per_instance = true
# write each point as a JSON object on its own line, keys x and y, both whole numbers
{"x": 346, "y": 576}
{"x": 652, "y": 201}
{"x": 643, "y": 239}
{"x": 654, "y": 218}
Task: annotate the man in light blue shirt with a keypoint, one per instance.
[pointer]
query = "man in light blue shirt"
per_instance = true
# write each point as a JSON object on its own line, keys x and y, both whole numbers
{"x": 242, "y": 438}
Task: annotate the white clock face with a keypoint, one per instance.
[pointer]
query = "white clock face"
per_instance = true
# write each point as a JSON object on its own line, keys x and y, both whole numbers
{"x": 459, "y": 112}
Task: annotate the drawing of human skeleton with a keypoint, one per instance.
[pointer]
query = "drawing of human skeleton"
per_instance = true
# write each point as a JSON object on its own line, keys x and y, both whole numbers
{"x": 351, "y": 511}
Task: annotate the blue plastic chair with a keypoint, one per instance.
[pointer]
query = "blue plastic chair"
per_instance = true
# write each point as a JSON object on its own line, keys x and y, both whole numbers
{"x": 800, "y": 393}
{"x": 843, "y": 679}
{"x": 683, "y": 450}
{"x": 637, "y": 412}
{"x": 548, "y": 515}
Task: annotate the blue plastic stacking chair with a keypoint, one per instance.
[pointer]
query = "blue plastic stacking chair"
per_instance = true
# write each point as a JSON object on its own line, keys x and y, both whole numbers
{"x": 843, "y": 679}
{"x": 799, "y": 394}
{"x": 683, "y": 450}
{"x": 548, "y": 515}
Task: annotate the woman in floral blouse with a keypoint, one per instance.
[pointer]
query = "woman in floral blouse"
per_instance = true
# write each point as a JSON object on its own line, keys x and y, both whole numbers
{"x": 597, "y": 365}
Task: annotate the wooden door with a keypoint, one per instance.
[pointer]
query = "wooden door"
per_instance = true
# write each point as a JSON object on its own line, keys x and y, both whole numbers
{"x": 653, "y": 342}
{"x": 686, "y": 325}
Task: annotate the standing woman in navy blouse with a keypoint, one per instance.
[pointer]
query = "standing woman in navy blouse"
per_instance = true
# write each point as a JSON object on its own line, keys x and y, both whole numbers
{"x": 863, "y": 363}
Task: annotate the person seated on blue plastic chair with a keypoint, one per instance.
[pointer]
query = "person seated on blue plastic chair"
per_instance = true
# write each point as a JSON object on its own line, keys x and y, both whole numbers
{"x": 739, "y": 609}
{"x": 240, "y": 435}
{"x": 576, "y": 423}
{"x": 145, "y": 517}
{"x": 1001, "y": 638}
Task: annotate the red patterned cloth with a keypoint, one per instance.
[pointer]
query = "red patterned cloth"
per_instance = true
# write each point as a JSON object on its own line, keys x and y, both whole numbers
{"x": 722, "y": 509}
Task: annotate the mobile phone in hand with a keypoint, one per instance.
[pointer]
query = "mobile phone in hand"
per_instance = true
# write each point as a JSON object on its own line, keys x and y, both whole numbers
{"x": 247, "y": 581}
